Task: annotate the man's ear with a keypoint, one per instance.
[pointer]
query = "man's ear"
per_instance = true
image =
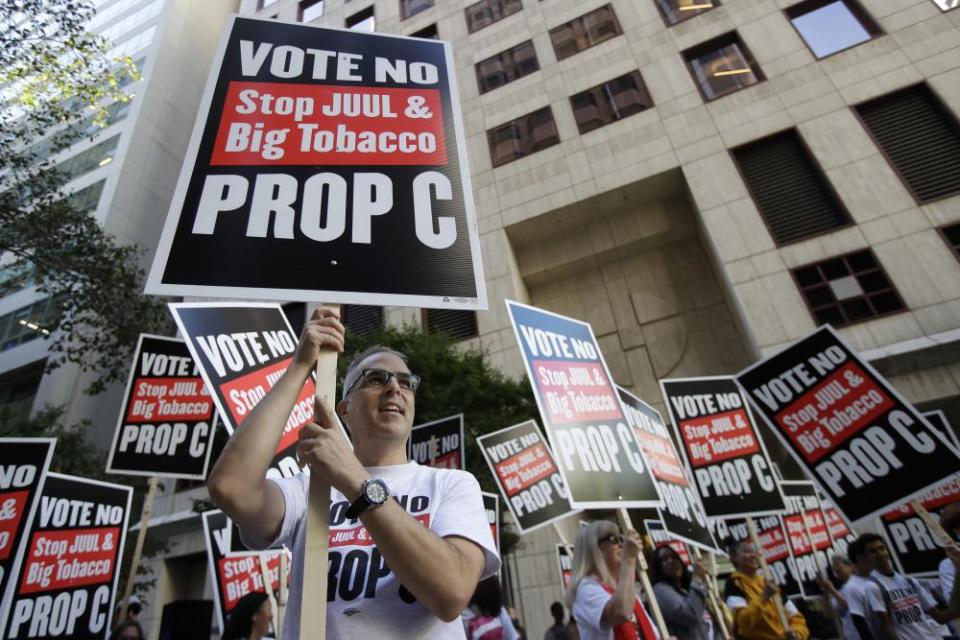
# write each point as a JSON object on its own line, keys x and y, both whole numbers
{"x": 342, "y": 408}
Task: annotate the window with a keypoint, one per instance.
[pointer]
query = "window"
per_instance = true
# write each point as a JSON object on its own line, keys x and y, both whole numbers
{"x": 428, "y": 32}
{"x": 362, "y": 320}
{"x": 523, "y": 136}
{"x": 507, "y": 66}
{"x": 829, "y": 26}
{"x": 610, "y": 101}
{"x": 456, "y": 325}
{"x": 310, "y": 10}
{"x": 27, "y": 323}
{"x": 920, "y": 137}
{"x": 99, "y": 155}
{"x": 486, "y": 12}
{"x": 410, "y": 8}
{"x": 584, "y": 32}
{"x": 721, "y": 66}
{"x": 674, "y": 11}
{"x": 263, "y": 4}
{"x": 86, "y": 199}
{"x": 847, "y": 289}
{"x": 793, "y": 196}
{"x": 362, "y": 20}
{"x": 951, "y": 234}
{"x": 16, "y": 276}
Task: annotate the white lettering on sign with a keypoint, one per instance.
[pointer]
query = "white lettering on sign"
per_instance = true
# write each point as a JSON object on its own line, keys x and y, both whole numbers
{"x": 16, "y": 476}
{"x": 596, "y": 448}
{"x": 238, "y": 351}
{"x": 732, "y": 477}
{"x": 163, "y": 439}
{"x": 324, "y": 198}
{"x": 704, "y": 404}
{"x": 161, "y": 364}
{"x": 53, "y": 616}
{"x": 795, "y": 381}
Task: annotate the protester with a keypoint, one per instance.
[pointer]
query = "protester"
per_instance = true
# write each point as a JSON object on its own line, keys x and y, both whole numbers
{"x": 419, "y": 571}
{"x": 602, "y": 591}
{"x": 862, "y": 609}
{"x": 558, "y": 630}
{"x": 486, "y": 618}
{"x": 750, "y": 597}
{"x": 682, "y": 595}
{"x": 129, "y": 630}
{"x": 911, "y": 613}
{"x": 953, "y": 554}
{"x": 946, "y": 572}
{"x": 251, "y": 618}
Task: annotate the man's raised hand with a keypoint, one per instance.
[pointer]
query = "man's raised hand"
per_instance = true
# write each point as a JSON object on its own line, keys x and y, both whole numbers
{"x": 323, "y": 331}
{"x": 324, "y": 447}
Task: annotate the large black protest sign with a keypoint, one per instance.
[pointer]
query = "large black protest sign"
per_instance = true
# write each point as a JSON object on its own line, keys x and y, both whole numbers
{"x": 325, "y": 165}
{"x": 68, "y": 578}
{"x": 866, "y": 447}
{"x": 166, "y": 421}
{"x": 661, "y": 537}
{"x": 564, "y": 566}
{"x": 23, "y": 469}
{"x": 939, "y": 422}
{"x": 234, "y": 575}
{"x": 597, "y": 451}
{"x": 917, "y": 550}
{"x": 841, "y": 531}
{"x": 803, "y": 520}
{"x": 527, "y": 475}
{"x": 720, "y": 443}
{"x": 242, "y": 350}
{"x": 438, "y": 443}
{"x": 491, "y": 505}
{"x": 776, "y": 550}
{"x": 682, "y": 513}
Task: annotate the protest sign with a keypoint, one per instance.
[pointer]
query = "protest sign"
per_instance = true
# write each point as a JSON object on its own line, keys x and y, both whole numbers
{"x": 597, "y": 452}
{"x": 663, "y": 538}
{"x": 682, "y": 513}
{"x": 167, "y": 417}
{"x": 23, "y": 469}
{"x": 319, "y": 156}
{"x": 491, "y": 505}
{"x": 68, "y": 577}
{"x": 721, "y": 446}
{"x": 914, "y": 547}
{"x": 776, "y": 552}
{"x": 939, "y": 422}
{"x": 526, "y": 474}
{"x": 808, "y": 556}
{"x": 242, "y": 349}
{"x": 866, "y": 447}
{"x": 438, "y": 443}
{"x": 234, "y": 574}
{"x": 841, "y": 531}
{"x": 564, "y": 565}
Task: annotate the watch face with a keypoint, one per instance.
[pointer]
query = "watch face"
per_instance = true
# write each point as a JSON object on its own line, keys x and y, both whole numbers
{"x": 376, "y": 492}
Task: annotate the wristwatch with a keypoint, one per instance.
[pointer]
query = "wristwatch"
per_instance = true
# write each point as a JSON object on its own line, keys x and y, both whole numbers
{"x": 373, "y": 493}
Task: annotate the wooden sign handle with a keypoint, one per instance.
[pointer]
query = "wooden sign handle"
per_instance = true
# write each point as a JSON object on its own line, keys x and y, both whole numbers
{"x": 932, "y": 523}
{"x": 313, "y": 609}
{"x": 777, "y": 600}
{"x": 282, "y": 597}
{"x": 624, "y": 518}
{"x": 713, "y": 599}
{"x": 138, "y": 547}
{"x": 268, "y": 585}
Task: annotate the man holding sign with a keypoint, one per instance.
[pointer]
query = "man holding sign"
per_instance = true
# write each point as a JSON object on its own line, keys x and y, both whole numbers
{"x": 398, "y": 568}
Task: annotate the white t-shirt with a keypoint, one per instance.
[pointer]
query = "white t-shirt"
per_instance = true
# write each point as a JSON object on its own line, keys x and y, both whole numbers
{"x": 588, "y": 611}
{"x": 908, "y": 603}
{"x": 863, "y": 599}
{"x": 365, "y": 599}
{"x": 946, "y": 573}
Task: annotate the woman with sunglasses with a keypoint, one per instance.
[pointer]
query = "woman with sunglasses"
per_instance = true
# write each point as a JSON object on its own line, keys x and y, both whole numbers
{"x": 682, "y": 596}
{"x": 602, "y": 592}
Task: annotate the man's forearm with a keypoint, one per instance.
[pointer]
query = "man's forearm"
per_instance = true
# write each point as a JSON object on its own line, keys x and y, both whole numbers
{"x": 441, "y": 576}
{"x": 240, "y": 471}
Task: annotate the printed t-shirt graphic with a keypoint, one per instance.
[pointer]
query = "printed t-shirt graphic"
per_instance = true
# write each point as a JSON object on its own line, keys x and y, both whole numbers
{"x": 907, "y": 603}
{"x": 364, "y": 597}
{"x": 866, "y": 447}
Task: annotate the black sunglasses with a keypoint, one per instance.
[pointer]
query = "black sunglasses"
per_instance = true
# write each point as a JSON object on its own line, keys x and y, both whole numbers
{"x": 381, "y": 378}
{"x": 615, "y": 538}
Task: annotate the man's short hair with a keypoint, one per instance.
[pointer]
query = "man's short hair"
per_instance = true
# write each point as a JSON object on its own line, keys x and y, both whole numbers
{"x": 859, "y": 546}
{"x": 353, "y": 370}
{"x": 732, "y": 545}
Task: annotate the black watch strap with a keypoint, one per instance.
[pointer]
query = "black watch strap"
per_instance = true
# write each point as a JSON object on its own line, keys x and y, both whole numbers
{"x": 363, "y": 501}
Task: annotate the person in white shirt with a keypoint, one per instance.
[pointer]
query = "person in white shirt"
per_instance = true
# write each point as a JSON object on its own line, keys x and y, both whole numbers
{"x": 864, "y": 612}
{"x": 911, "y": 612}
{"x": 603, "y": 592}
{"x": 947, "y": 572}
{"x": 404, "y": 567}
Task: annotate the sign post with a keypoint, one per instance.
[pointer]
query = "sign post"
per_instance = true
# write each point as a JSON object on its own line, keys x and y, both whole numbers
{"x": 623, "y": 517}
{"x": 777, "y": 600}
